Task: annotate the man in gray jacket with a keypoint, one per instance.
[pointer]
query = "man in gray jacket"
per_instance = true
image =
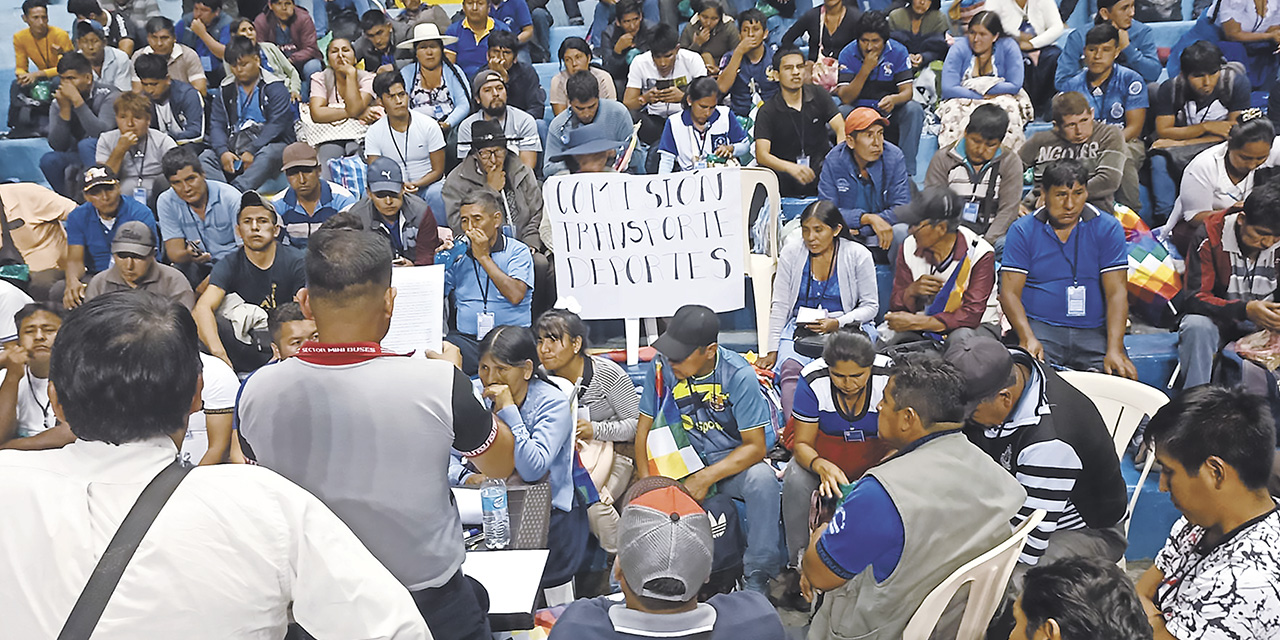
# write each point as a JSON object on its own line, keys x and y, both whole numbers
{"x": 82, "y": 110}
{"x": 491, "y": 165}
{"x": 404, "y": 219}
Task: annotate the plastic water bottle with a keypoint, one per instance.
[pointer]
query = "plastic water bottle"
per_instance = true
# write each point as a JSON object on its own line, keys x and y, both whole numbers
{"x": 493, "y": 503}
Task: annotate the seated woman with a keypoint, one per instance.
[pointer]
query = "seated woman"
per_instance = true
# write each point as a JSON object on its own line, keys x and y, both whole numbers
{"x": 984, "y": 66}
{"x": 537, "y": 411}
{"x": 702, "y": 134}
{"x": 340, "y": 93}
{"x": 575, "y": 56}
{"x": 1256, "y": 27}
{"x": 828, "y": 28}
{"x": 273, "y": 59}
{"x": 922, "y": 27}
{"x": 834, "y": 432}
{"x": 709, "y": 35}
{"x": 436, "y": 86}
{"x": 1222, "y": 176}
{"x": 1034, "y": 25}
{"x": 608, "y": 410}
{"x": 829, "y": 274}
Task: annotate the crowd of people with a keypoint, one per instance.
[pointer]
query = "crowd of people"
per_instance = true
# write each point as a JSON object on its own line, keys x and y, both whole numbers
{"x": 170, "y": 297}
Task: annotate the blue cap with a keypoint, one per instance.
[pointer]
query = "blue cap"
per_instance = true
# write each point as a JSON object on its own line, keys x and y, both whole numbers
{"x": 385, "y": 175}
{"x": 585, "y": 140}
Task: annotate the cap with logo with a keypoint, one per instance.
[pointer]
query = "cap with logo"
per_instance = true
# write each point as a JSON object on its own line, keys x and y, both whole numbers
{"x": 983, "y": 362}
{"x": 693, "y": 327}
{"x": 299, "y": 154}
{"x": 98, "y": 175}
{"x": 664, "y": 533}
{"x": 385, "y": 175}
{"x": 934, "y": 204}
{"x": 134, "y": 237}
{"x": 863, "y": 117}
{"x": 487, "y": 133}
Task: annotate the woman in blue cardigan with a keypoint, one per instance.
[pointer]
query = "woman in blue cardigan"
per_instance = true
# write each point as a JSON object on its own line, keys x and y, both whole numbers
{"x": 830, "y": 272}
{"x": 538, "y": 413}
{"x": 984, "y": 51}
{"x": 436, "y": 87}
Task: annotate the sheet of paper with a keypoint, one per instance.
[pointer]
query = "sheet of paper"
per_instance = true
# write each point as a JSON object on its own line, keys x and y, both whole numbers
{"x": 511, "y": 577}
{"x": 468, "y": 501}
{"x": 805, "y": 315}
{"x": 417, "y": 323}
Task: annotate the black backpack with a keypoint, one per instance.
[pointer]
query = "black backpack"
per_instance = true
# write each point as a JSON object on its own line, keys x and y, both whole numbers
{"x": 28, "y": 116}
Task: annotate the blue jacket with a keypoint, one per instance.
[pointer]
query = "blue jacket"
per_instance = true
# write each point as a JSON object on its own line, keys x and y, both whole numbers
{"x": 458, "y": 86}
{"x": 1008, "y": 65}
{"x": 888, "y": 174}
{"x": 188, "y": 110}
{"x": 1140, "y": 55}
{"x": 276, "y": 104}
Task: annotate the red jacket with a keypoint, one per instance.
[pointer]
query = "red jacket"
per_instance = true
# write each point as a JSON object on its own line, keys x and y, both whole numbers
{"x": 1209, "y": 272}
{"x": 299, "y": 43}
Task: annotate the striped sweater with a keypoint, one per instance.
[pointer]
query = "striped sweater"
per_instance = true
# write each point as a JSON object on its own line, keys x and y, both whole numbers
{"x": 610, "y": 395}
{"x": 1057, "y": 446}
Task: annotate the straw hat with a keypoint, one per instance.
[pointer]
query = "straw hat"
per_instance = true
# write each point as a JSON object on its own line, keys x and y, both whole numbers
{"x": 424, "y": 32}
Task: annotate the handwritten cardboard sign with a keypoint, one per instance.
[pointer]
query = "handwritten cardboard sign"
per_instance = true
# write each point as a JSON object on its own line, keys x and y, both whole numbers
{"x": 643, "y": 246}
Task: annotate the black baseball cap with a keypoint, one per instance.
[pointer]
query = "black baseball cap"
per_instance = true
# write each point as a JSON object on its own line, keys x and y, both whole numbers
{"x": 693, "y": 327}
{"x": 934, "y": 204}
{"x": 983, "y": 362}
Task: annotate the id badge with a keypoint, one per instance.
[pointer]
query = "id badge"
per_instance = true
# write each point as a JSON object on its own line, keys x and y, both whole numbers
{"x": 140, "y": 194}
{"x": 854, "y": 435}
{"x": 970, "y": 212}
{"x": 484, "y": 324}
{"x": 803, "y": 161}
{"x": 1075, "y": 301}
{"x": 700, "y": 163}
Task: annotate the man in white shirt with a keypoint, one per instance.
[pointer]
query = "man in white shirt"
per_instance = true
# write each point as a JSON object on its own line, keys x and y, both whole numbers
{"x": 26, "y": 419}
{"x": 236, "y": 548}
{"x": 657, "y": 81}
{"x": 414, "y": 141}
{"x": 520, "y": 128}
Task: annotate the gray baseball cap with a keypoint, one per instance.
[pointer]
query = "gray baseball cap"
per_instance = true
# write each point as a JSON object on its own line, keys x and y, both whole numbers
{"x": 664, "y": 533}
{"x": 983, "y": 362}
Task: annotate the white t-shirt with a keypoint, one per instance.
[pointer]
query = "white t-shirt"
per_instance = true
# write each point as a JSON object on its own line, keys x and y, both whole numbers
{"x": 644, "y": 75}
{"x": 520, "y": 128}
{"x": 1206, "y": 186}
{"x": 218, "y": 397}
{"x": 411, "y": 150}
{"x": 34, "y": 413}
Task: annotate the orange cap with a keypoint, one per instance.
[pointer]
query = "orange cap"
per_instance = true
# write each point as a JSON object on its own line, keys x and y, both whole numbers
{"x": 863, "y": 117}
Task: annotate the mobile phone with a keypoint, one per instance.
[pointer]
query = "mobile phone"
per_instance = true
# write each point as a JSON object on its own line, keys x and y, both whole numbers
{"x": 663, "y": 85}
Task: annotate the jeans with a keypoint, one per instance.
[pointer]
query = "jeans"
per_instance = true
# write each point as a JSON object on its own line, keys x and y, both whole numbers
{"x": 758, "y": 487}
{"x": 266, "y": 165}
{"x": 798, "y": 485}
{"x": 434, "y": 195}
{"x": 455, "y": 610}
{"x": 320, "y": 12}
{"x": 1079, "y": 349}
{"x": 1198, "y": 344}
{"x": 907, "y": 121}
{"x": 539, "y": 47}
{"x": 1164, "y": 190}
{"x": 308, "y": 69}
{"x": 54, "y": 164}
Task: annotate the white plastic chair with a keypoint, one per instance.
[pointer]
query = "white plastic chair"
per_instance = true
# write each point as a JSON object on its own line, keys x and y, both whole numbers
{"x": 1123, "y": 403}
{"x": 987, "y": 575}
{"x": 761, "y": 267}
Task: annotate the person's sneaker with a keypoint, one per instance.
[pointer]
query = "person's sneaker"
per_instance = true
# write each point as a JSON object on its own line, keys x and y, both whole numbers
{"x": 576, "y": 21}
{"x": 758, "y": 581}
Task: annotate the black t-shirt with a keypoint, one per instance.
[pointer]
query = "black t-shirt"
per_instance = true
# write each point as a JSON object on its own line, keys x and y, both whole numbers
{"x": 267, "y": 289}
{"x": 832, "y": 43}
{"x": 792, "y": 134}
{"x": 1231, "y": 94}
